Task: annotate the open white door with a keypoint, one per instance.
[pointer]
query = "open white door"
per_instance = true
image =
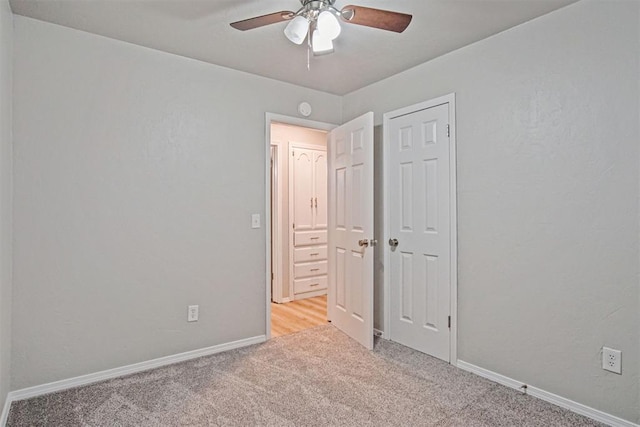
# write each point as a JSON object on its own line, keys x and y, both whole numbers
{"x": 350, "y": 176}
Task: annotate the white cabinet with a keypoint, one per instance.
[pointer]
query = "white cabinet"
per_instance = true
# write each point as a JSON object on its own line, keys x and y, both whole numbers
{"x": 308, "y": 220}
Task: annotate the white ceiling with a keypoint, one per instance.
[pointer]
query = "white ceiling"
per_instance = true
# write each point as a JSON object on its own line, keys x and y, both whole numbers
{"x": 200, "y": 29}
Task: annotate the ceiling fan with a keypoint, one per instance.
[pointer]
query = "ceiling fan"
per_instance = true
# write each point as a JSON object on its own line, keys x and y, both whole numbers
{"x": 321, "y": 21}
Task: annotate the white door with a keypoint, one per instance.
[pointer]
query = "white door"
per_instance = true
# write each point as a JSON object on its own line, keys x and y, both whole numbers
{"x": 419, "y": 196}
{"x": 301, "y": 184}
{"x": 320, "y": 189}
{"x": 350, "y": 176}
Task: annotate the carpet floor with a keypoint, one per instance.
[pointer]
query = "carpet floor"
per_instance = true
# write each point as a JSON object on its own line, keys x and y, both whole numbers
{"x": 317, "y": 377}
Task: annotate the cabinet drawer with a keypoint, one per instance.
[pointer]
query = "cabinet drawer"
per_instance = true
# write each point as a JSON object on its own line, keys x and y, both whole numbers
{"x": 313, "y": 253}
{"x": 302, "y": 238}
{"x": 310, "y": 284}
{"x": 310, "y": 269}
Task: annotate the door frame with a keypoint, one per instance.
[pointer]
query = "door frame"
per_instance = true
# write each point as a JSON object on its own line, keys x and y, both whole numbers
{"x": 271, "y": 118}
{"x": 275, "y": 223}
{"x": 449, "y": 99}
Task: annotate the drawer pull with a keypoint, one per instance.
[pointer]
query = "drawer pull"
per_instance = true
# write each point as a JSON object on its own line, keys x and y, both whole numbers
{"x": 314, "y": 238}
{"x": 314, "y": 269}
{"x": 314, "y": 284}
{"x": 314, "y": 254}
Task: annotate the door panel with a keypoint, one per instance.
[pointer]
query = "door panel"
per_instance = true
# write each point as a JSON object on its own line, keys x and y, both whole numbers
{"x": 350, "y": 198}
{"x": 308, "y": 214}
{"x": 301, "y": 178}
{"x": 420, "y": 220}
{"x": 320, "y": 191}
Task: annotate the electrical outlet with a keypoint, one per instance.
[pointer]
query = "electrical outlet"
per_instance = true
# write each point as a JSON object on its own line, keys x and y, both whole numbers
{"x": 192, "y": 313}
{"x": 612, "y": 360}
{"x": 255, "y": 221}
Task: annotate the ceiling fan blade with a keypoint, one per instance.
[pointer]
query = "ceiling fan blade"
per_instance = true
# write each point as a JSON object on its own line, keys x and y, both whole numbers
{"x": 376, "y": 18}
{"x": 260, "y": 21}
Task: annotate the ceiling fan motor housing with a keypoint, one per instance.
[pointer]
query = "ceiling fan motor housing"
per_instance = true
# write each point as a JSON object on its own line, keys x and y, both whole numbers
{"x": 312, "y": 8}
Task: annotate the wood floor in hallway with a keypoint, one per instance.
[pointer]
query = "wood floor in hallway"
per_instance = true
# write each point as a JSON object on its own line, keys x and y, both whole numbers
{"x": 298, "y": 315}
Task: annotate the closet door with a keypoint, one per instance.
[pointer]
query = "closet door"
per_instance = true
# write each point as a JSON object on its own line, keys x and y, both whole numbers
{"x": 308, "y": 213}
{"x": 301, "y": 179}
{"x": 320, "y": 190}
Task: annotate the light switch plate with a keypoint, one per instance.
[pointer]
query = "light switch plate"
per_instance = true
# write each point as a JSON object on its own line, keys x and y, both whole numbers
{"x": 255, "y": 221}
{"x": 192, "y": 313}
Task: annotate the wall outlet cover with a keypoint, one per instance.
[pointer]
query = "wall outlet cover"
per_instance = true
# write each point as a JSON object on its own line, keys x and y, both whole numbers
{"x": 612, "y": 360}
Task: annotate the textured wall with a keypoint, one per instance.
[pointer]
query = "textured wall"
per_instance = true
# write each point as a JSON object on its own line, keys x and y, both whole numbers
{"x": 136, "y": 174}
{"x": 132, "y": 166}
{"x": 547, "y": 125}
{"x": 6, "y": 45}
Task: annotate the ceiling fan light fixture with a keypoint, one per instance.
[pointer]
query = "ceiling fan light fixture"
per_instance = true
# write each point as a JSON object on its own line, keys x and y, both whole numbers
{"x": 296, "y": 30}
{"x": 319, "y": 22}
{"x": 320, "y": 44}
{"x": 328, "y": 25}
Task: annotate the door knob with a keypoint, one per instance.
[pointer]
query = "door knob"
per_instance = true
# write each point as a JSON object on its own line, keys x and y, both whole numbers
{"x": 363, "y": 242}
{"x": 393, "y": 242}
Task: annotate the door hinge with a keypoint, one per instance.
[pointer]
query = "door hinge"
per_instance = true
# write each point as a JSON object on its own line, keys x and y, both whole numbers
{"x": 272, "y": 276}
{"x": 448, "y": 131}
{"x": 294, "y": 225}
{"x": 449, "y": 322}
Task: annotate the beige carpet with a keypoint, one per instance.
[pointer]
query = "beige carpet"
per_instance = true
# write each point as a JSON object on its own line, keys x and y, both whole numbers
{"x": 318, "y": 377}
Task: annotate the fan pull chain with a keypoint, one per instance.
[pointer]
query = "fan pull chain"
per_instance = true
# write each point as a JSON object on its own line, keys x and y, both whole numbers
{"x": 309, "y": 49}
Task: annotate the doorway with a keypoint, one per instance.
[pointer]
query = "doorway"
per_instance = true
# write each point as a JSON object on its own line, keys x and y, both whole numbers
{"x": 296, "y": 235}
{"x": 350, "y": 225}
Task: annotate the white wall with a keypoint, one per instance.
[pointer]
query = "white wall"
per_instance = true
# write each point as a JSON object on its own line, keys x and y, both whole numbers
{"x": 136, "y": 173}
{"x": 281, "y": 136}
{"x": 6, "y": 46}
{"x": 131, "y": 201}
{"x": 548, "y": 163}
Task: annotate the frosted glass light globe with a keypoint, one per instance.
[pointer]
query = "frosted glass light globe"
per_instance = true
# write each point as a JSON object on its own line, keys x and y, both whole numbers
{"x": 297, "y": 29}
{"x": 321, "y": 45}
{"x": 328, "y": 25}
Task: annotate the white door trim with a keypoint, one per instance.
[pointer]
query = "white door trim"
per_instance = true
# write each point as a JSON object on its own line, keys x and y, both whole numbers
{"x": 449, "y": 99}
{"x": 276, "y": 223}
{"x": 295, "y": 121}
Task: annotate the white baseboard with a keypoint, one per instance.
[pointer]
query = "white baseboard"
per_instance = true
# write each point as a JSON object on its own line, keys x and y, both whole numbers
{"x": 5, "y": 411}
{"x": 52, "y": 387}
{"x": 311, "y": 294}
{"x": 563, "y": 402}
